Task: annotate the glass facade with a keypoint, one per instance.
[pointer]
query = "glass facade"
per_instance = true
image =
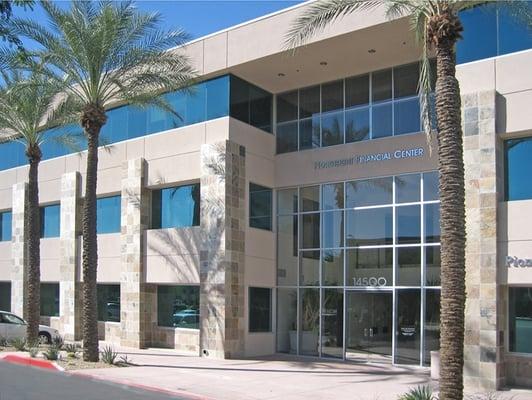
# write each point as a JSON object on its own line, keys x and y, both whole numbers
{"x": 50, "y": 299}
{"x": 520, "y": 318}
{"x": 260, "y": 207}
{"x": 5, "y": 296}
{"x": 349, "y": 249}
{"x": 50, "y": 221}
{"x": 215, "y": 98}
{"x": 518, "y": 169}
{"x": 494, "y": 29}
{"x": 371, "y": 106}
{"x": 176, "y": 207}
{"x": 260, "y": 309}
{"x": 5, "y": 226}
{"x": 178, "y": 306}
{"x": 108, "y": 302}
{"x": 108, "y": 214}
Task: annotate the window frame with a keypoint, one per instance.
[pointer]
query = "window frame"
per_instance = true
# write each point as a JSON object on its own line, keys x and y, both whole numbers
{"x": 261, "y": 189}
{"x": 159, "y": 218}
{"x": 270, "y": 309}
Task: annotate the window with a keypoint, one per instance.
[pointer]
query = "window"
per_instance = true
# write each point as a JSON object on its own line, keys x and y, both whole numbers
{"x": 251, "y": 104}
{"x": 108, "y": 214}
{"x": 518, "y": 169}
{"x": 260, "y": 309}
{"x": 520, "y": 319}
{"x": 260, "y": 207}
{"x": 5, "y": 226}
{"x": 5, "y": 296}
{"x": 108, "y": 303}
{"x": 50, "y": 299}
{"x": 176, "y": 207}
{"x": 178, "y": 306}
{"x": 50, "y": 221}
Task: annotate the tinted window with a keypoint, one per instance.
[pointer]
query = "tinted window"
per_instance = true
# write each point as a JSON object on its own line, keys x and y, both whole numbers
{"x": 108, "y": 302}
{"x": 405, "y": 80}
{"x": 50, "y": 299}
{"x": 50, "y": 220}
{"x": 176, "y": 207}
{"x": 332, "y": 96}
{"x": 369, "y": 192}
{"x": 260, "y": 207}
{"x": 287, "y": 106}
{"x": 357, "y": 91}
{"x": 5, "y": 296}
{"x": 520, "y": 319}
{"x": 250, "y": 104}
{"x": 369, "y": 227}
{"x": 260, "y": 309}
{"x": 5, "y": 226}
{"x": 178, "y": 306}
{"x": 381, "y": 85}
{"x": 518, "y": 169}
{"x": 108, "y": 214}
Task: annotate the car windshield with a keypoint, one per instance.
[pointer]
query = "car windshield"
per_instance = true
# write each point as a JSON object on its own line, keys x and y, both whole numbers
{"x": 12, "y": 319}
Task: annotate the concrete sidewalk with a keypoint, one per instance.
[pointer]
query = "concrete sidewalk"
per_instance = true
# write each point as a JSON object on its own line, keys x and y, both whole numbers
{"x": 279, "y": 377}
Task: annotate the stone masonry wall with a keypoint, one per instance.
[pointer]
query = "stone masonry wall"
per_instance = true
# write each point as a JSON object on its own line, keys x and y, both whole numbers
{"x": 19, "y": 269}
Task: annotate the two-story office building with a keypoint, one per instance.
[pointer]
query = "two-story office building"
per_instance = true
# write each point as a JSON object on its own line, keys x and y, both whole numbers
{"x": 294, "y": 207}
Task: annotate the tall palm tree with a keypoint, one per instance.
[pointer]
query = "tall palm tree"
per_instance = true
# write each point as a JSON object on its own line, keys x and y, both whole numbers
{"x": 101, "y": 53}
{"x": 27, "y": 104}
{"x": 438, "y": 28}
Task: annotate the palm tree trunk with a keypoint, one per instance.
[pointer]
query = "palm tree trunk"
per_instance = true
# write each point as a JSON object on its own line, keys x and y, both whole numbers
{"x": 452, "y": 222}
{"x": 33, "y": 300}
{"x": 93, "y": 118}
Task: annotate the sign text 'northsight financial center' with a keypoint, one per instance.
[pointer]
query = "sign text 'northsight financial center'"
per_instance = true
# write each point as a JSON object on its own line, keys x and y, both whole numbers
{"x": 368, "y": 158}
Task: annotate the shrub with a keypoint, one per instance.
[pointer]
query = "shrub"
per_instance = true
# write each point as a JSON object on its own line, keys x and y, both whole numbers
{"x": 3, "y": 342}
{"x": 33, "y": 351}
{"x": 71, "y": 349}
{"x": 51, "y": 353}
{"x": 108, "y": 355}
{"x": 19, "y": 344}
{"x": 418, "y": 393}
{"x": 58, "y": 342}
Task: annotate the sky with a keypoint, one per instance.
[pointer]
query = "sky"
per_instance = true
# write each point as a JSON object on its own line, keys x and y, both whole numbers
{"x": 197, "y": 17}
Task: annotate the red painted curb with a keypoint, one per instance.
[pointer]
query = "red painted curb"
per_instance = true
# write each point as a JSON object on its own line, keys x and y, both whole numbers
{"x": 32, "y": 362}
{"x": 188, "y": 395}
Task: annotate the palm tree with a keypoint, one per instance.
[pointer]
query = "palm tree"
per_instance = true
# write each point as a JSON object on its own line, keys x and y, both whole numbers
{"x": 438, "y": 28}
{"x": 27, "y": 103}
{"x": 100, "y": 54}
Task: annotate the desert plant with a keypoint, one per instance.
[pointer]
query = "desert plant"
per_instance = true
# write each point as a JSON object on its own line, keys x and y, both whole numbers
{"x": 19, "y": 344}
{"x": 108, "y": 355}
{"x": 51, "y": 353}
{"x": 33, "y": 351}
{"x": 71, "y": 349}
{"x": 418, "y": 393}
{"x": 124, "y": 361}
{"x": 3, "y": 342}
{"x": 58, "y": 342}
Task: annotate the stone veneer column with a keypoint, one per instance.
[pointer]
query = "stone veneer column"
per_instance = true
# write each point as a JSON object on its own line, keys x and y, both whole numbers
{"x": 135, "y": 311}
{"x": 70, "y": 285}
{"x": 19, "y": 249}
{"x": 222, "y": 250}
{"x": 484, "y": 367}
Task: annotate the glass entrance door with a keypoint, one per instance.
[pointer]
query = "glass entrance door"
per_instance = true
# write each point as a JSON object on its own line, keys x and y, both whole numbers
{"x": 369, "y": 326}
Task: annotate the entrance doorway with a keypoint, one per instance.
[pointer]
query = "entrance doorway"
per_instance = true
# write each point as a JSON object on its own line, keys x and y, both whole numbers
{"x": 369, "y": 326}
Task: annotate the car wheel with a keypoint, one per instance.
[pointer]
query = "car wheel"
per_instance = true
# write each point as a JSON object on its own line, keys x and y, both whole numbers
{"x": 45, "y": 338}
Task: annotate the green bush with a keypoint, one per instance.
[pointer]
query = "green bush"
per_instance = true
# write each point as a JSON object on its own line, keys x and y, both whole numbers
{"x": 33, "y": 351}
{"x": 51, "y": 353}
{"x": 58, "y": 342}
{"x": 3, "y": 342}
{"x": 418, "y": 393}
{"x": 108, "y": 355}
{"x": 71, "y": 349}
{"x": 19, "y": 344}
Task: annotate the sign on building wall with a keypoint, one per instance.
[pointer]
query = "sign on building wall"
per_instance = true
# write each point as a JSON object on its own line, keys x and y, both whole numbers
{"x": 397, "y": 154}
{"x": 515, "y": 262}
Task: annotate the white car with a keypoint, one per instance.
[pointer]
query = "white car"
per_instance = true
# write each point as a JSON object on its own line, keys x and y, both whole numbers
{"x": 13, "y": 327}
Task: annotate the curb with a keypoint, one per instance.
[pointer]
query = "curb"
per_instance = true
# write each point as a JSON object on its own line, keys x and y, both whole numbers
{"x": 181, "y": 393}
{"x": 32, "y": 362}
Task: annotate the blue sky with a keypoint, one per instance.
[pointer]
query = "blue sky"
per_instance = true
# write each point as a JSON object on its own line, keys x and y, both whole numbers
{"x": 197, "y": 17}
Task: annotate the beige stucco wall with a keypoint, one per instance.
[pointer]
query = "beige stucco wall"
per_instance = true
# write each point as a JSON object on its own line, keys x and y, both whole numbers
{"x": 5, "y": 261}
{"x": 50, "y": 260}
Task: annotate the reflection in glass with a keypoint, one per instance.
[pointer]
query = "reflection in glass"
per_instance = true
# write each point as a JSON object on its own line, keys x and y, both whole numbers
{"x": 369, "y": 192}
{"x": 514, "y": 34}
{"x": 405, "y": 80}
{"x": 381, "y": 121}
{"x": 408, "y": 224}
{"x": 286, "y": 320}
{"x": 260, "y": 207}
{"x": 310, "y": 231}
{"x": 108, "y": 302}
{"x": 357, "y": 91}
{"x": 310, "y": 268}
{"x": 408, "y": 334}
{"x": 369, "y": 227}
{"x": 332, "y": 268}
{"x": 332, "y": 129}
{"x": 518, "y": 169}
{"x": 369, "y": 267}
{"x": 287, "y": 201}
{"x": 432, "y": 323}
{"x": 5, "y": 226}
{"x": 309, "y": 133}
{"x": 49, "y": 299}
{"x": 309, "y": 102}
{"x": 520, "y": 318}
{"x": 381, "y": 85}
{"x": 431, "y": 189}
{"x": 108, "y": 214}
{"x": 309, "y": 322}
{"x": 176, "y": 207}
{"x": 408, "y": 266}
{"x": 432, "y": 266}
{"x": 332, "y": 96}
{"x": 480, "y": 34}
{"x": 407, "y": 116}
{"x": 407, "y": 188}
{"x": 287, "y": 106}
{"x": 333, "y": 229}
{"x": 5, "y": 296}
{"x": 357, "y": 125}
{"x": 332, "y": 322}
{"x": 310, "y": 198}
{"x": 287, "y": 257}
{"x": 286, "y": 137}
{"x": 178, "y": 306}
{"x": 332, "y": 196}
{"x": 432, "y": 223}
{"x": 50, "y": 220}
{"x": 260, "y": 309}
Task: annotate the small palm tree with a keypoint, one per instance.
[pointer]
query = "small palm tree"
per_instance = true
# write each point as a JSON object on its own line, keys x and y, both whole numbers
{"x": 101, "y": 53}
{"x": 27, "y": 103}
{"x": 438, "y": 28}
